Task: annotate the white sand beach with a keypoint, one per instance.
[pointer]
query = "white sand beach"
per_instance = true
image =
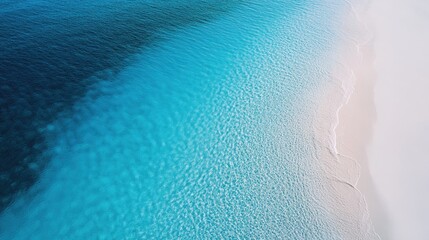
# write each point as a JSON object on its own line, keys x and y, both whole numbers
{"x": 399, "y": 152}
{"x": 383, "y": 128}
{"x": 350, "y": 100}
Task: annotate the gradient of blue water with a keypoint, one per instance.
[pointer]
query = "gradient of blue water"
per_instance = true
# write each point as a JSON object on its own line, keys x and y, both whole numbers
{"x": 205, "y": 134}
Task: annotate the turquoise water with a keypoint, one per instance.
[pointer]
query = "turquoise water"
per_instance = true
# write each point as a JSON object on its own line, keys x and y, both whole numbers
{"x": 204, "y": 133}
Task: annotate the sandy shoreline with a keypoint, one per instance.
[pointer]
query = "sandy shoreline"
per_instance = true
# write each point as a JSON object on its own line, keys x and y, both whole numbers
{"x": 350, "y": 99}
{"x": 354, "y": 134}
{"x": 399, "y": 153}
{"x": 384, "y": 127}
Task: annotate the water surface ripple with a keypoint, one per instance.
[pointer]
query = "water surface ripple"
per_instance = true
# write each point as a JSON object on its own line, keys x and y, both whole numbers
{"x": 162, "y": 120}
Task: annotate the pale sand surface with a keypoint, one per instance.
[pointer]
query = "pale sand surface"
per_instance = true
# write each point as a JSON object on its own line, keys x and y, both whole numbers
{"x": 347, "y": 111}
{"x": 399, "y": 152}
{"x": 354, "y": 133}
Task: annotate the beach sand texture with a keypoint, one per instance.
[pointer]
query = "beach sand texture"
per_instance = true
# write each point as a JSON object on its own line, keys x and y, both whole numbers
{"x": 347, "y": 110}
{"x": 399, "y": 153}
{"x": 381, "y": 135}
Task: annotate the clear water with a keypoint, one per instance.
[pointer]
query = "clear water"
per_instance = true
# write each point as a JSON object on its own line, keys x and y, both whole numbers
{"x": 165, "y": 120}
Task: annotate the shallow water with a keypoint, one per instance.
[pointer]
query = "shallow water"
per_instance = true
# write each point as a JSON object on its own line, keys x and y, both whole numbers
{"x": 163, "y": 120}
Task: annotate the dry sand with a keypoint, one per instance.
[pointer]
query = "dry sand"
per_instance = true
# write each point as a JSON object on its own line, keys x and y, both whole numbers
{"x": 384, "y": 127}
{"x": 378, "y": 159}
{"x": 399, "y": 152}
{"x": 354, "y": 134}
{"x": 351, "y": 101}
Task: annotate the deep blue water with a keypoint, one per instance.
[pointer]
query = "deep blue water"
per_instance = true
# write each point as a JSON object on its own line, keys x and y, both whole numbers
{"x": 50, "y": 53}
{"x": 162, "y": 119}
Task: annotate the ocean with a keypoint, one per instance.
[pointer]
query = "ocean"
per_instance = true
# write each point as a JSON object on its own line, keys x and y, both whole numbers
{"x": 164, "y": 119}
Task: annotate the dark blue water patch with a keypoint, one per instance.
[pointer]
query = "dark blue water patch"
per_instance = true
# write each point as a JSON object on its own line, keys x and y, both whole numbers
{"x": 48, "y": 52}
